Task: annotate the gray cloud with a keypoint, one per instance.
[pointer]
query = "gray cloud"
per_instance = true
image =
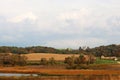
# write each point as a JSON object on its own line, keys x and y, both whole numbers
{"x": 59, "y": 24}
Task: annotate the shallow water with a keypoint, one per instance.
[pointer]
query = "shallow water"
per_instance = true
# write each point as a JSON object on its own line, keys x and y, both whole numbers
{"x": 83, "y": 77}
{"x": 16, "y": 74}
{"x": 48, "y": 77}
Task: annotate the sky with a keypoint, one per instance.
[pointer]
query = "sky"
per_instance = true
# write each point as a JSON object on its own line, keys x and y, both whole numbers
{"x": 59, "y": 23}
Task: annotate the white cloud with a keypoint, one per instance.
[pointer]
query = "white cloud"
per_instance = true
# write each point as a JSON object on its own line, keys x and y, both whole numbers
{"x": 76, "y": 17}
{"x": 74, "y": 14}
{"x": 78, "y": 21}
{"x": 20, "y": 18}
{"x": 65, "y": 23}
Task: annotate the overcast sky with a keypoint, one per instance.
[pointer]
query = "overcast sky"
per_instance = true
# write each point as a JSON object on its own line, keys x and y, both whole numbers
{"x": 59, "y": 23}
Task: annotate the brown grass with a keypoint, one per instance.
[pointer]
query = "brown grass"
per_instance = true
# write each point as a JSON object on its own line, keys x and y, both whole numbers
{"x": 83, "y": 77}
{"x": 57, "y": 71}
{"x": 38, "y": 56}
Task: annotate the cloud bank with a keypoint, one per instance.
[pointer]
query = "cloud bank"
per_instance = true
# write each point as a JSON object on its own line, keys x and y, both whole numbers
{"x": 59, "y": 24}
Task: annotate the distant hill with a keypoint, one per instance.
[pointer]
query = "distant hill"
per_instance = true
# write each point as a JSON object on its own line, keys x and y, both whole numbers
{"x": 36, "y": 49}
{"x": 109, "y": 50}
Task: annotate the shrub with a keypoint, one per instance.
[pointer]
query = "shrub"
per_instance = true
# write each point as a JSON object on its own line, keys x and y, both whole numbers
{"x": 12, "y": 59}
{"x": 43, "y": 61}
{"x": 17, "y": 59}
{"x": 69, "y": 60}
{"x": 52, "y": 61}
{"x": 80, "y": 62}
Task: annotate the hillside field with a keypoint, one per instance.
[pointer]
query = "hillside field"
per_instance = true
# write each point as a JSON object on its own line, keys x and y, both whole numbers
{"x": 38, "y": 56}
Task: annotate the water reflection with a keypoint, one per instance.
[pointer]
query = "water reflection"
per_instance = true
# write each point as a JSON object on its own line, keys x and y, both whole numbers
{"x": 16, "y": 74}
{"x": 53, "y": 77}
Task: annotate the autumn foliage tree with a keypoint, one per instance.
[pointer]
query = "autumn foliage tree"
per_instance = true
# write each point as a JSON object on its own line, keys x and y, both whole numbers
{"x": 52, "y": 61}
{"x": 77, "y": 62}
{"x": 43, "y": 61}
{"x": 12, "y": 59}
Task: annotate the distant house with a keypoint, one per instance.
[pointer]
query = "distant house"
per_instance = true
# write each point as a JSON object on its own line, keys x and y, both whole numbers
{"x": 109, "y": 58}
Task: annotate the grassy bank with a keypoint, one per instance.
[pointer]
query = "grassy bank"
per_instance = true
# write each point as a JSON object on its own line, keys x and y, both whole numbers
{"x": 102, "y": 61}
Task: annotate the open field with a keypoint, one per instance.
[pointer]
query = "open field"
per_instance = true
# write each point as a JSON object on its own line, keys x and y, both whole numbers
{"x": 105, "y": 61}
{"x": 34, "y": 58}
{"x": 38, "y": 56}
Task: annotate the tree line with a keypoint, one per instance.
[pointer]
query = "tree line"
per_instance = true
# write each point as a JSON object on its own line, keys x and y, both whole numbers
{"x": 110, "y": 50}
{"x": 35, "y": 49}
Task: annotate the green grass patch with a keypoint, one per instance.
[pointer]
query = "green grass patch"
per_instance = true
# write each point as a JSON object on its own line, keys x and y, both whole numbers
{"x": 33, "y": 62}
{"x": 38, "y": 63}
{"x": 102, "y": 61}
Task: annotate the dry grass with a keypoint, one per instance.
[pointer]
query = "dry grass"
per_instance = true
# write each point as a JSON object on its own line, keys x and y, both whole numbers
{"x": 57, "y": 71}
{"x": 38, "y": 56}
{"x": 83, "y": 77}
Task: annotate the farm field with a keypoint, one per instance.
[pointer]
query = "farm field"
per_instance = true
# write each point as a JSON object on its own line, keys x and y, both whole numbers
{"x": 38, "y": 56}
